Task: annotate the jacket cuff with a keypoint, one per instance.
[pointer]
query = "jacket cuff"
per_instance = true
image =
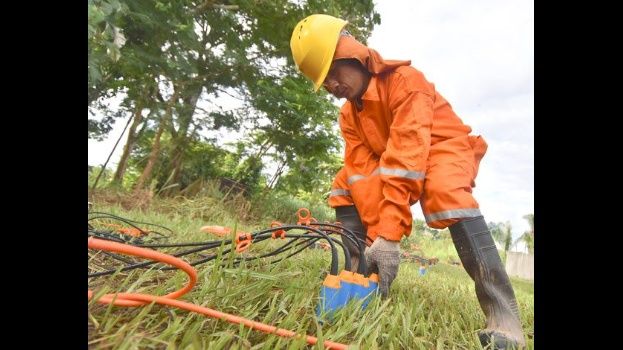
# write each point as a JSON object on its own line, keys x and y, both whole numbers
{"x": 394, "y": 234}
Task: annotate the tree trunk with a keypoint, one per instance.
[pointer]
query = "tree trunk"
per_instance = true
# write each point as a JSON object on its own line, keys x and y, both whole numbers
{"x": 180, "y": 142}
{"x": 132, "y": 137}
{"x": 153, "y": 155}
{"x": 179, "y": 157}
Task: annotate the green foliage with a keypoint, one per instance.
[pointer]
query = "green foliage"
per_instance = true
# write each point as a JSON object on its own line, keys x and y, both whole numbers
{"x": 202, "y": 161}
{"x": 501, "y": 233}
{"x": 283, "y": 208}
{"x": 528, "y": 236}
{"x": 311, "y": 177}
{"x": 94, "y": 172}
{"x": 166, "y": 57}
{"x": 441, "y": 248}
{"x": 104, "y": 35}
{"x": 508, "y": 237}
{"x": 496, "y": 229}
{"x": 249, "y": 172}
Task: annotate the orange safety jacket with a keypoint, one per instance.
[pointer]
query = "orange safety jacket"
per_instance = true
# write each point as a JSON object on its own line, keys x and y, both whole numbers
{"x": 405, "y": 145}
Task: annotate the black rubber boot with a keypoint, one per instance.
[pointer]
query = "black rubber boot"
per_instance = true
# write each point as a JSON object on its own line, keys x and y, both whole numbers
{"x": 350, "y": 219}
{"x": 481, "y": 260}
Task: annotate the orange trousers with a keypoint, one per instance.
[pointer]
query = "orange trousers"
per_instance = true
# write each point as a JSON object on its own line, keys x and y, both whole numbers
{"x": 451, "y": 171}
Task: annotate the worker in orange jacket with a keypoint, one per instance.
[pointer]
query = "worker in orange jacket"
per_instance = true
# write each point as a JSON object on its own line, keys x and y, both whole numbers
{"x": 404, "y": 144}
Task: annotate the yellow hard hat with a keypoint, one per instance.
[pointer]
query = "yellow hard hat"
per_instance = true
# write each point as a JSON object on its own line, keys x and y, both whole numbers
{"x": 313, "y": 45}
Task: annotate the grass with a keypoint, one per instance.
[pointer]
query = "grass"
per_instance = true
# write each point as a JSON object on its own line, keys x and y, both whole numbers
{"x": 436, "y": 311}
{"x": 442, "y": 248}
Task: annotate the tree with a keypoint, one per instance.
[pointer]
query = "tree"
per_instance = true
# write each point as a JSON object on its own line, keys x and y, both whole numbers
{"x": 507, "y": 236}
{"x": 528, "y": 236}
{"x": 105, "y": 40}
{"x": 167, "y": 57}
{"x": 419, "y": 227}
{"x": 497, "y": 232}
{"x": 501, "y": 233}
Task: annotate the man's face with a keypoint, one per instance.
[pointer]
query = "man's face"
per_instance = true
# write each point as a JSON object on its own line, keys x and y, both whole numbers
{"x": 346, "y": 79}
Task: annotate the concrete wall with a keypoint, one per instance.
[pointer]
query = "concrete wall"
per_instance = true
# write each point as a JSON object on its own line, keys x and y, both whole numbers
{"x": 520, "y": 265}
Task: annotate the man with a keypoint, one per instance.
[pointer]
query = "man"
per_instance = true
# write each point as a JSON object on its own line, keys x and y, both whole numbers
{"x": 404, "y": 144}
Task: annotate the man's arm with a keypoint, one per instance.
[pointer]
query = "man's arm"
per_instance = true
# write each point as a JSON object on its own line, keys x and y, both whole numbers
{"x": 403, "y": 164}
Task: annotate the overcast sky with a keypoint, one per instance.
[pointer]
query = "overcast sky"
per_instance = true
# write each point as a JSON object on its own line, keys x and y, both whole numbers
{"x": 480, "y": 56}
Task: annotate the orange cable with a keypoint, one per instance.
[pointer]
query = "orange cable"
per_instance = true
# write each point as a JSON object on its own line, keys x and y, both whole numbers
{"x": 137, "y": 299}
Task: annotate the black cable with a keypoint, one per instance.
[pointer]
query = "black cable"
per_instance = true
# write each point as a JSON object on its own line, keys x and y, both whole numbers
{"x": 313, "y": 238}
{"x": 113, "y": 216}
{"x": 147, "y": 263}
{"x": 118, "y": 257}
{"x": 322, "y": 232}
{"x": 100, "y": 215}
{"x": 105, "y": 235}
{"x": 259, "y": 236}
{"x": 334, "y": 257}
{"x": 358, "y": 242}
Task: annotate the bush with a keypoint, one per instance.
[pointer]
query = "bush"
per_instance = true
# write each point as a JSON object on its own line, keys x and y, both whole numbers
{"x": 283, "y": 208}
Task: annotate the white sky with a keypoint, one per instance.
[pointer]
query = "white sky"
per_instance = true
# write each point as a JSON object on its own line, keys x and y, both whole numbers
{"x": 480, "y": 56}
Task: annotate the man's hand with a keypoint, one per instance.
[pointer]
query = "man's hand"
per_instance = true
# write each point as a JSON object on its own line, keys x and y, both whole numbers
{"x": 383, "y": 258}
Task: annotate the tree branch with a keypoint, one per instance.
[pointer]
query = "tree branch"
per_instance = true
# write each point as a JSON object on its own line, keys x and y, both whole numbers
{"x": 211, "y": 4}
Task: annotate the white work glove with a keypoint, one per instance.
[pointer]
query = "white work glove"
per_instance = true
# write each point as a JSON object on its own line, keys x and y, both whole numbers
{"x": 383, "y": 258}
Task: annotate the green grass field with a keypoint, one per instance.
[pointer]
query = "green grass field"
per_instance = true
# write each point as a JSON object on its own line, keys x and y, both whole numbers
{"x": 436, "y": 311}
